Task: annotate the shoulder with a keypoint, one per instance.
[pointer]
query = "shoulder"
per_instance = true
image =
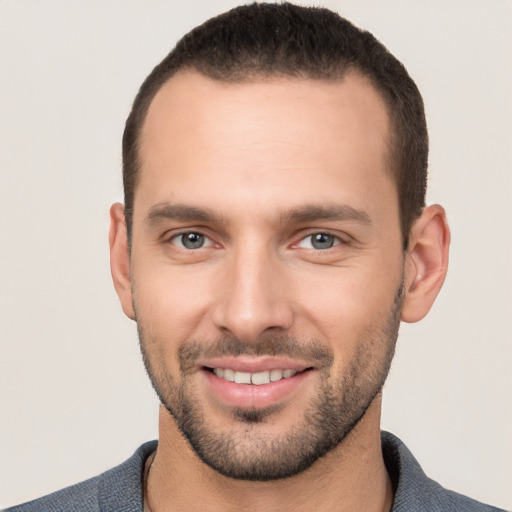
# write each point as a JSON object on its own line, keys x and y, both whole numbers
{"x": 119, "y": 488}
{"x": 414, "y": 490}
{"x": 82, "y": 497}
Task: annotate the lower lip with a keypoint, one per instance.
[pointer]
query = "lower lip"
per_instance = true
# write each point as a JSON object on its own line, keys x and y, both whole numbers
{"x": 250, "y": 396}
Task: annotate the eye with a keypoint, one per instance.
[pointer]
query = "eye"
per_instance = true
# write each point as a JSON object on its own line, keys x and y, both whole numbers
{"x": 191, "y": 240}
{"x": 319, "y": 241}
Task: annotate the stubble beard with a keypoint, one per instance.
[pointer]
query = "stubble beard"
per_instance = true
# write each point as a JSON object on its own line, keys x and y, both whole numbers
{"x": 245, "y": 451}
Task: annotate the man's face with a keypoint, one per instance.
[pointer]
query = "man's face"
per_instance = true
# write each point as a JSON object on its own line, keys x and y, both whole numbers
{"x": 266, "y": 250}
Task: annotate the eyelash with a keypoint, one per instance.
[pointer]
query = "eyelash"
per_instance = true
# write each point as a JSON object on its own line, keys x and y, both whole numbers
{"x": 180, "y": 236}
{"x": 336, "y": 240}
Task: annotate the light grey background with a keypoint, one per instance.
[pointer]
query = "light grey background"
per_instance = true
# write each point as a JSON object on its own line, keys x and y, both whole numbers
{"x": 74, "y": 398}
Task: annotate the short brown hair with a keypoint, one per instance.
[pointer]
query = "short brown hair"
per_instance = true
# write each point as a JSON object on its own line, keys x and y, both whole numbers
{"x": 261, "y": 40}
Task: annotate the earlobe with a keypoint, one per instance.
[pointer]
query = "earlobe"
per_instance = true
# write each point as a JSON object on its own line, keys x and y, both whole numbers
{"x": 120, "y": 258}
{"x": 426, "y": 263}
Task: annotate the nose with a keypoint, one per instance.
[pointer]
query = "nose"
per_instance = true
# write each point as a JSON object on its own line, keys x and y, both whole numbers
{"x": 252, "y": 296}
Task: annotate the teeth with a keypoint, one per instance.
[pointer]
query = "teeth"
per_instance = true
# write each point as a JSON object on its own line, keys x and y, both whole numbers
{"x": 276, "y": 375}
{"x": 229, "y": 375}
{"x": 260, "y": 378}
{"x": 242, "y": 377}
{"x": 257, "y": 379}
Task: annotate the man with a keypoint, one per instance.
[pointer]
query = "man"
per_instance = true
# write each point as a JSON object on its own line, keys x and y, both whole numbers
{"x": 274, "y": 234}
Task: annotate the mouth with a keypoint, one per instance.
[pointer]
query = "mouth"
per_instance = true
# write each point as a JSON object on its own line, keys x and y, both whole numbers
{"x": 255, "y": 378}
{"x": 255, "y": 384}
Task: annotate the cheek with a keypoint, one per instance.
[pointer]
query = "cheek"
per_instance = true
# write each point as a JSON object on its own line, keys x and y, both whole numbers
{"x": 345, "y": 304}
{"x": 171, "y": 302}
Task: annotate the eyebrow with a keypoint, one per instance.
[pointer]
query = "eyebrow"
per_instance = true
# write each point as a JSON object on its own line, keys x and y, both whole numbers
{"x": 312, "y": 213}
{"x": 300, "y": 215}
{"x": 179, "y": 212}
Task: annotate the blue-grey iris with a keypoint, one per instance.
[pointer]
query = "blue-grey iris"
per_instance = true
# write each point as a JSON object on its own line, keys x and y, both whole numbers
{"x": 322, "y": 240}
{"x": 192, "y": 240}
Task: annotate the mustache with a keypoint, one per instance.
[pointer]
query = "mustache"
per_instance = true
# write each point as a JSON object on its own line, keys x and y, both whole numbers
{"x": 274, "y": 346}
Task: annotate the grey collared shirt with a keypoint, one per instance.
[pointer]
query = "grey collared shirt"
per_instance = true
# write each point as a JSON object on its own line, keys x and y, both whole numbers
{"x": 121, "y": 488}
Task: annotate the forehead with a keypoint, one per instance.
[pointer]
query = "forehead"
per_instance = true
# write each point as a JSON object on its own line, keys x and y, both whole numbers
{"x": 200, "y": 132}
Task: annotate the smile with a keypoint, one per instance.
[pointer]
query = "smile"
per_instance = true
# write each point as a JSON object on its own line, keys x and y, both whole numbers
{"x": 257, "y": 378}
{"x": 237, "y": 384}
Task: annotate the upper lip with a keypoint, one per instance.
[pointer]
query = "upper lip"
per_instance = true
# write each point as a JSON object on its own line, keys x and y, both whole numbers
{"x": 255, "y": 364}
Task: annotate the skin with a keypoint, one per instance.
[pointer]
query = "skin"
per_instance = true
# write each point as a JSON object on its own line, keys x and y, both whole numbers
{"x": 251, "y": 154}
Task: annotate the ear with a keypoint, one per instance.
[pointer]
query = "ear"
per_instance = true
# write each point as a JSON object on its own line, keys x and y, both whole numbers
{"x": 120, "y": 258}
{"x": 426, "y": 262}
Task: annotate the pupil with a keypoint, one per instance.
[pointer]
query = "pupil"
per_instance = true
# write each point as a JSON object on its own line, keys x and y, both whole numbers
{"x": 322, "y": 241}
{"x": 192, "y": 240}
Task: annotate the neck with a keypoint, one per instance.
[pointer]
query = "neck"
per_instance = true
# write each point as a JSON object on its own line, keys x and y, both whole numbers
{"x": 351, "y": 477}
